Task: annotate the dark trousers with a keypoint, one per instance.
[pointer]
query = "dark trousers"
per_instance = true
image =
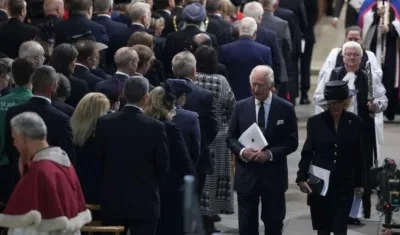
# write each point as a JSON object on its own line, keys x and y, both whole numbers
{"x": 305, "y": 66}
{"x": 273, "y": 211}
{"x": 134, "y": 226}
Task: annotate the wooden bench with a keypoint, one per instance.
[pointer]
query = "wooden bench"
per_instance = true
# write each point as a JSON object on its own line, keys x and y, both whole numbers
{"x": 96, "y": 227}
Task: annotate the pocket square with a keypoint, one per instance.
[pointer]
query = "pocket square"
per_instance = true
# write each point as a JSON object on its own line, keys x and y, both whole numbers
{"x": 280, "y": 122}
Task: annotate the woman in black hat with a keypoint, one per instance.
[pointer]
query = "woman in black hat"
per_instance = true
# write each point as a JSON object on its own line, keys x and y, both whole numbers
{"x": 333, "y": 143}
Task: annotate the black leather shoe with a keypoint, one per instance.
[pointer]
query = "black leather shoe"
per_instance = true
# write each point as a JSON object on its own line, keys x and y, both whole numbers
{"x": 304, "y": 100}
{"x": 215, "y": 218}
{"x": 354, "y": 221}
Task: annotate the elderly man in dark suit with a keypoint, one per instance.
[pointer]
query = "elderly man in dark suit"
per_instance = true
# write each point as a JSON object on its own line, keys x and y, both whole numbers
{"x": 262, "y": 173}
{"x": 265, "y": 36}
{"x": 200, "y": 101}
{"x": 79, "y": 23}
{"x": 44, "y": 81}
{"x": 193, "y": 14}
{"x": 14, "y": 32}
{"x": 126, "y": 60}
{"x": 188, "y": 121}
{"x": 281, "y": 28}
{"x": 135, "y": 156}
{"x": 114, "y": 29}
{"x": 242, "y": 55}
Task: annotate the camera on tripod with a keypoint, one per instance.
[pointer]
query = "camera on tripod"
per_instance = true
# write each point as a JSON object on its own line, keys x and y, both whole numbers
{"x": 387, "y": 183}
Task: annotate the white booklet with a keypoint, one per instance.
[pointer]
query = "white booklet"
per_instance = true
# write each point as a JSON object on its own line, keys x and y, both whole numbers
{"x": 253, "y": 138}
{"x": 322, "y": 174}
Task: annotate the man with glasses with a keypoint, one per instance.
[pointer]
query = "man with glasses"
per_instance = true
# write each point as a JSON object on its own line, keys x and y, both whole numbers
{"x": 351, "y": 69}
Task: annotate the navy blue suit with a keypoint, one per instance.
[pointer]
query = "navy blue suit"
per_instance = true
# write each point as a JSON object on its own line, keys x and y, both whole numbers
{"x": 114, "y": 30}
{"x": 118, "y": 81}
{"x": 85, "y": 74}
{"x": 240, "y": 57}
{"x": 189, "y": 124}
{"x": 268, "y": 180}
{"x": 120, "y": 17}
{"x": 79, "y": 24}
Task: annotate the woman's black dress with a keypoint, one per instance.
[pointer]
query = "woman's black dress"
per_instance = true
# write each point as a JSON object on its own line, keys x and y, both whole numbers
{"x": 340, "y": 152}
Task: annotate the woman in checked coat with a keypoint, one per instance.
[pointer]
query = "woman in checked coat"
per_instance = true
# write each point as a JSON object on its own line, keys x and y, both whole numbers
{"x": 217, "y": 195}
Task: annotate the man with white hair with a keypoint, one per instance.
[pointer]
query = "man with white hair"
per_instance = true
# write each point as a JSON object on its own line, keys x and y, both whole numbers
{"x": 242, "y": 55}
{"x": 281, "y": 28}
{"x": 262, "y": 173}
{"x": 366, "y": 108}
{"x": 265, "y": 36}
{"x": 32, "y": 51}
{"x": 49, "y": 209}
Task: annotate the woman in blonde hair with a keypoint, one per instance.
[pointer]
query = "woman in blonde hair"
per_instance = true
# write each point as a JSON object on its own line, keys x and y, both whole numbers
{"x": 161, "y": 106}
{"x": 83, "y": 122}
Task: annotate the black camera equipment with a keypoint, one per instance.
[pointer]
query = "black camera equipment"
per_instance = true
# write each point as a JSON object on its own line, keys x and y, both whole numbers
{"x": 387, "y": 184}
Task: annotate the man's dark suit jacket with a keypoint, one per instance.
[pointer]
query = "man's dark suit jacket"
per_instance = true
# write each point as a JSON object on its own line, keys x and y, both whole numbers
{"x": 135, "y": 159}
{"x": 63, "y": 107}
{"x": 200, "y": 101}
{"x": 59, "y": 131}
{"x": 299, "y": 10}
{"x": 240, "y": 57}
{"x": 114, "y": 31}
{"x": 281, "y": 135}
{"x": 312, "y": 17}
{"x": 121, "y": 17}
{"x": 168, "y": 23}
{"x": 222, "y": 26}
{"x": 180, "y": 41}
{"x": 3, "y": 15}
{"x": 76, "y": 25}
{"x": 189, "y": 124}
{"x": 79, "y": 88}
{"x": 107, "y": 84}
{"x": 17, "y": 33}
{"x": 84, "y": 74}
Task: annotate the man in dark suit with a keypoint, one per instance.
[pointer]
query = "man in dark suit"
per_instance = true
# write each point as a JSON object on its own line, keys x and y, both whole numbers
{"x": 214, "y": 10}
{"x": 14, "y": 32}
{"x": 265, "y": 36}
{"x": 241, "y": 56}
{"x": 262, "y": 173}
{"x": 44, "y": 81}
{"x": 299, "y": 10}
{"x": 88, "y": 58}
{"x": 126, "y": 59}
{"x": 114, "y": 29}
{"x": 164, "y": 9}
{"x": 193, "y": 15}
{"x": 134, "y": 150}
{"x": 188, "y": 121}
{"x": 79, "y": 23}
{"x": 200, "y": 101}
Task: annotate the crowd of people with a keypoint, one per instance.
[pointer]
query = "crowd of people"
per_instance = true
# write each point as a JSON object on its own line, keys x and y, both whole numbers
{"x": 113, "y": 103}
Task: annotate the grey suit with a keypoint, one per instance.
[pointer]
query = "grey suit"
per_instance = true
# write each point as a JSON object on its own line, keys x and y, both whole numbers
{"x": 281, "y": 28}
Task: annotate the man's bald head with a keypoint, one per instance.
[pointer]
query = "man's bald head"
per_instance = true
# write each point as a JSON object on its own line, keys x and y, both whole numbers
{"x": 200, "y": 40}
{"x": 126, "y": 56}
{"x": 54, "y": 7}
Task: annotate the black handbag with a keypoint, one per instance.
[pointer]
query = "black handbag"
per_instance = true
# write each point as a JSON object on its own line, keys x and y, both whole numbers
{"x": 316, "y": 184}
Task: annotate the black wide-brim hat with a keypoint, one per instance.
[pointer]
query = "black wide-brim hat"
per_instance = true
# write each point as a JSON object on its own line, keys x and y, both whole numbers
{"x": 337, "y": 90}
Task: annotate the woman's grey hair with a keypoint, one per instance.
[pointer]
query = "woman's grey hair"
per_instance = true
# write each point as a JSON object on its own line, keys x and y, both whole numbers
{"x": 352, "y": 44}
{"x": 254, "y": 10}
{"x": 183, "y": 64}
{"x": 29, "y": 124}
{"x": 247, "y": 26}
{"x": 33, "y": 51}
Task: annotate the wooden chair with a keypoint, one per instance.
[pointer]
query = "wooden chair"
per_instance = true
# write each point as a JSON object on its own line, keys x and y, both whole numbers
{"x": 96, "y": 227}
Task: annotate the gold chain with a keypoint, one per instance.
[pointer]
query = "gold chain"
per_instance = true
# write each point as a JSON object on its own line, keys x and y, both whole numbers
{"x": 176, "y": 26}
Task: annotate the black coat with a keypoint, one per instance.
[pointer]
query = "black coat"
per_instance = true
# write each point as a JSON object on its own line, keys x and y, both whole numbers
{"x": 135, "y": 159}
{"x": 84, "y": 74}
{"x": 338, "y": 151}
{"x": 14, "y": 33}
{"x": 79, "y": 88}
{"x": 63, "y": 107}
{"x": 59, "y": 131}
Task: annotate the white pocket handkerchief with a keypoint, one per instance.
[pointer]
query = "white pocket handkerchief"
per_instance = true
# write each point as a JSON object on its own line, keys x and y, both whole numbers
{"x": 280, "y": 122}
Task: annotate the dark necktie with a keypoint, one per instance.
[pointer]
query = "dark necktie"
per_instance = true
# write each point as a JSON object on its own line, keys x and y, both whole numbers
{"x": 261, "y": 116}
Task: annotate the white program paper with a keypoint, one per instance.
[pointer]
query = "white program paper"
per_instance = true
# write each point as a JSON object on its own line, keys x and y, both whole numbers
{"x": 253, "y": 138}
{"x": 322, "y": 174}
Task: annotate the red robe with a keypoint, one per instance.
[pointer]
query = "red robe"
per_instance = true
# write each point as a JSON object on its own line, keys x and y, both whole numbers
{"x": 51, "y": 188}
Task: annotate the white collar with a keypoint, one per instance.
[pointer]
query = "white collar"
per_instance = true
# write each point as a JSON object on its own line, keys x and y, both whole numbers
{"x": 135, "y": 23}
{"x": 122, "y": 73}
{"x": 132, "y": 105}
{"x": 79, "y": 64}
{"x": 54, "y": 154}
{"x": 42, "y": 97}
{"x": 1, "y": 9}
{"x": 105, "y": 15}
{"x": 267, "y": 101}
{"x": 168, "y": 11}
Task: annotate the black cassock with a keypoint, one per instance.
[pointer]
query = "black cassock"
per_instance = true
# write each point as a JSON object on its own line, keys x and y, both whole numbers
{"x": 339, "y": 151}
{"x": 368, "y": 127}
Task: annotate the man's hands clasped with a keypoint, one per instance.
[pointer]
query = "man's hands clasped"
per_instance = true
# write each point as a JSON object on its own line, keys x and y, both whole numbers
{"x": 254, "y": 155}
